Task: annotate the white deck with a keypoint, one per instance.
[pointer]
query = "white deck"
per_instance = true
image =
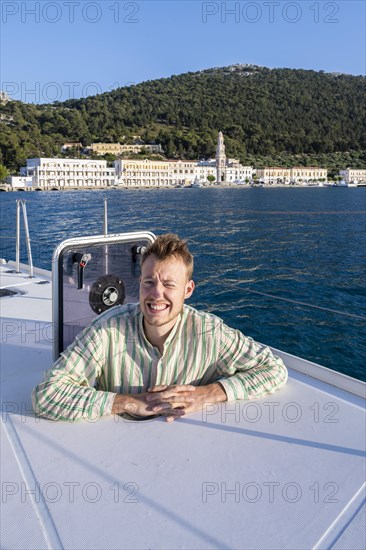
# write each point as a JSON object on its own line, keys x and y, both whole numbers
{"x": 287, "y": 471}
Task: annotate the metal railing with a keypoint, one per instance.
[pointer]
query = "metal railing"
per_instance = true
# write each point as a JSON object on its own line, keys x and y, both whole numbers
{"x": 21, "y": 203}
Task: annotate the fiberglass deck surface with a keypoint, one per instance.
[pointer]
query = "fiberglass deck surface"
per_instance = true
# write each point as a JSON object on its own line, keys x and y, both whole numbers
{"x": 286, "y": 471}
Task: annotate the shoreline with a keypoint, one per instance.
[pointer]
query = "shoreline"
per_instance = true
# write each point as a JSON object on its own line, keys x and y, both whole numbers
{"x": 3, "y": 189}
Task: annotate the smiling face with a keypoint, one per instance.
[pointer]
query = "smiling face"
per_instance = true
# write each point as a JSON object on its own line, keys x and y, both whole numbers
{"x": 164, "y": 286}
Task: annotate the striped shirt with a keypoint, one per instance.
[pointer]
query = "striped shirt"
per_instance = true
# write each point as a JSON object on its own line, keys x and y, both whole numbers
{"x": 113, "y": 355}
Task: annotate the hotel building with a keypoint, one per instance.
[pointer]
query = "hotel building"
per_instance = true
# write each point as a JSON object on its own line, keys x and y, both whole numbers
{"x": 297, "y": 174}
{"x": 142, "y": 173}
{"x": 48, "y": 173}
{"x": 161, "y": 173}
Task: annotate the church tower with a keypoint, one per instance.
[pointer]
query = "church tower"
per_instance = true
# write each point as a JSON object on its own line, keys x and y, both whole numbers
{"x": 220, "y": 159}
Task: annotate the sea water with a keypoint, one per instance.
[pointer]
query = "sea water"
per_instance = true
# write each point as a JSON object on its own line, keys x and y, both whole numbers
{"x": 285, "y": 266}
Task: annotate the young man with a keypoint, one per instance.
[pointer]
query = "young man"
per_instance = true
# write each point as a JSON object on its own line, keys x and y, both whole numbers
{"x": 159, "y": 356}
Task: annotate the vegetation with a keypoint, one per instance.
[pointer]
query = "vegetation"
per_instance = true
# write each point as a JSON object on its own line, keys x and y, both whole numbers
{"x": 3, "y": 173}
{"x": 279, "y": 117}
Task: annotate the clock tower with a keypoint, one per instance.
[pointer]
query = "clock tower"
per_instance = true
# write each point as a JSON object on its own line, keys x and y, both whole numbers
{"x": 220, "y": 159}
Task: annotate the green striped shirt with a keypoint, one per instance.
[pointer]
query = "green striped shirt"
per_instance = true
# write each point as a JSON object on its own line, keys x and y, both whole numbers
{"x": 112, "y": 356}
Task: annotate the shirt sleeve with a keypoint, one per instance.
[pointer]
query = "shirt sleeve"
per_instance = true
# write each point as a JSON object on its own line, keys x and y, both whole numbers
{"x": 67, "y": 390}
{"x": 248, "y": 370}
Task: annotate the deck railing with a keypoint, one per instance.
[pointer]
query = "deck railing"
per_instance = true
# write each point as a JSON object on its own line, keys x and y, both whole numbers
{"x": 21, "y": 204}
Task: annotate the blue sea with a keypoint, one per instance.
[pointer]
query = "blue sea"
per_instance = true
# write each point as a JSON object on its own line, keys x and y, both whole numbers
{"x": 285, "y": 266}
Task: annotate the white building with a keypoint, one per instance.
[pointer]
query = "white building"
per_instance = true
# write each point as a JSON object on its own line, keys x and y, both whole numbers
{"x": 236, "y": 172}
{"x": 49, "y": 173}
{"x": 353, "y": 175}
{"x": 205, "y": 169}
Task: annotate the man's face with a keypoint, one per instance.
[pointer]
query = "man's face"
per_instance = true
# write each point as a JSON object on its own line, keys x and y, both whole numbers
{"x": 163, "y": 288}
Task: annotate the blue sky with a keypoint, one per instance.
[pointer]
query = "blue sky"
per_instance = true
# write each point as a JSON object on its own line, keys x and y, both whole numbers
{"x": 60, "y": 49}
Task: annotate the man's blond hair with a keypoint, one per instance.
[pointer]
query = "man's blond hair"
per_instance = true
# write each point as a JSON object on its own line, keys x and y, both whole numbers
{"x": 170, "y": 246}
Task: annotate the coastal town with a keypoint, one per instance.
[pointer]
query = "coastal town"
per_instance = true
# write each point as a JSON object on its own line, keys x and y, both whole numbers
{"x": 44, "y": 174}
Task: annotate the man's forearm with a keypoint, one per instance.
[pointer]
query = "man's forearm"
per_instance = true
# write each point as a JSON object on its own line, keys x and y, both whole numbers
{"x": 59, "y": 399}
{"x": 257, "y": 381}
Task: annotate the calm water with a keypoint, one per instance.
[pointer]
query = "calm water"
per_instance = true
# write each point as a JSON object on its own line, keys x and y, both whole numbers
{"x": 261, "y": 255}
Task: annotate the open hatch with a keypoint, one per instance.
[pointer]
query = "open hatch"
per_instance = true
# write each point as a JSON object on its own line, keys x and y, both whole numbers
{"x": 91, "y": 275}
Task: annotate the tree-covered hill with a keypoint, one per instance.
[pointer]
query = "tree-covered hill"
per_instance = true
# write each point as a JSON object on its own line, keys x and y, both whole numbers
{"x": 281, "y": 116}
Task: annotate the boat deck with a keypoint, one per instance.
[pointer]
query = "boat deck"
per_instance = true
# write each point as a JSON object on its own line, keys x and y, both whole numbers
{"x": 286, "y": 471}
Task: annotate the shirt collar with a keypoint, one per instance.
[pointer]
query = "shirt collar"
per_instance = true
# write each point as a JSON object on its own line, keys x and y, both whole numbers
{"x": 172, "y": 334}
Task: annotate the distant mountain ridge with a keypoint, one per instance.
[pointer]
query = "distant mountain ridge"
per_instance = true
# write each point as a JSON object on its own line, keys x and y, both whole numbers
{"x": 278, "y": 115}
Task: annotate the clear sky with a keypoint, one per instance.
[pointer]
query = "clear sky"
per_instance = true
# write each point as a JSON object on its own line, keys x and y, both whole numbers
{"x": 62, "y": 49}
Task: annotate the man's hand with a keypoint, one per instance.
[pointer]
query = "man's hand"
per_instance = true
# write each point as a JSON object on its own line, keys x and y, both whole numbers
{"x": 176, "y": 401}
{"x": 170, "y": 401}
{"x": 133, "y": 404}
{"x": 142, "y": 405}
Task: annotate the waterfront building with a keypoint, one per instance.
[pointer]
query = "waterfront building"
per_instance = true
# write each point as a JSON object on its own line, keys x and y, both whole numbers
{"x": 236, "y": 172}
{"x": 185, "y": 172}
{"x": 353, "y": 175}
{"x": 49, "y": 173}
{"x": 142, "y": 173}
{"x": 161, "y": 173}
{"x": 297, "y": 174}
{"x": 274, "y": 174}
{"x": 203, "y": 170}
{"x": 305, "y": 174}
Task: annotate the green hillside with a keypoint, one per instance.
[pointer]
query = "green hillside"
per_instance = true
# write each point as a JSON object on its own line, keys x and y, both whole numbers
{"x": 281, "y": 116}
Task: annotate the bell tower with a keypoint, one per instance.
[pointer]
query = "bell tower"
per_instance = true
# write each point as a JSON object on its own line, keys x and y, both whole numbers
{"x": 220, "y": 159}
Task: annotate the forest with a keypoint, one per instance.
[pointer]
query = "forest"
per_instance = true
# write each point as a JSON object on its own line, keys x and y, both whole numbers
{"x": 280, "y": 117}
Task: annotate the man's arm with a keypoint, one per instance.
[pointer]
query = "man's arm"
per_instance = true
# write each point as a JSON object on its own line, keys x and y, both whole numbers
{"x": 248, "y": 369}
{"x": 66, "y": 391}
